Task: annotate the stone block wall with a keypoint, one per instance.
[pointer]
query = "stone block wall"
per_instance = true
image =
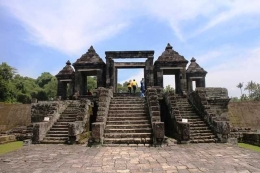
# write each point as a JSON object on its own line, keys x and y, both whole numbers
{"x": 212, "y": 106}
{"x": 154, "y": 112}
{"x": 104, "y": 96}
{"x": 82, "y": 123}
{"x": 51, "y": 109}
{"x": 252, "y": 138}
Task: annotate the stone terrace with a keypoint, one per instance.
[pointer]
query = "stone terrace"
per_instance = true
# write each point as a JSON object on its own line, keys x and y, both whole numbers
{"x": 173, "y": 158}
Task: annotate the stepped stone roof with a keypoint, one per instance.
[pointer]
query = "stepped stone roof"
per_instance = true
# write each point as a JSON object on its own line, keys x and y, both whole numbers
{"x": 90, "y": 57}
{"x": 169, "y": 55}
{"x": 67, "y": 70}
{"x": 195, "y": 68}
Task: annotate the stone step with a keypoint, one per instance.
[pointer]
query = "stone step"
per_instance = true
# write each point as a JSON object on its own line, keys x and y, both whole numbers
{"x": 198, "y": 125}
{"x": 65, "y": 120}
{"x": 119, "y": 102}
{"x": 55, "y": 138}
{"x": 200, "y": 131}
{"x": 57, "y": 135}
{"x": 69, "y": 115}
{"x": 141, "y": 105}
{"x": 127, "y": 135}
{"x": 203, "y": 141}
{"x": 126, "y": 114}
{"x": 127, "y": 145}
{"x": 202, "y": 137}
{"x": 126, "y": 111}
{"x": 53, "y": 131}
{"x": 127, "y": 118}
{"x": 190, "y": 117}
{"x": 128, "y": 122}
{"x": 128, "y": 98}
{"x": 127, "y": 140}
{"x": 127, "y": 108}
{"x": 53, "y": 141}
{"x": 139, "y": 130}
{"x": 201, "y": 134}
{"x": 128, "y": 126}
{"x": 57, "y": 128}
{"x": 199, "y": 128}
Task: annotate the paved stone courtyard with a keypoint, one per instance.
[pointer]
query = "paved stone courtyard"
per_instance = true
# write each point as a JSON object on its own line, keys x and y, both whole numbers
{"x": 175, "y": 158}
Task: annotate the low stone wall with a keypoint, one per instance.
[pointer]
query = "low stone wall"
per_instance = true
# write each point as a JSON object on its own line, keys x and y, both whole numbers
{"x": 14, "y": 115}
{"x": 7, "y": 138}
{"x": 181, "y": 130}
{"x": 154, "y": 112}
{"x": 212, "y": 106}
{"x": 252, "y": 138}
{"x": 50, "y": 109}
{"x": 81, "y": 124}
{"x": 104, "y": 96}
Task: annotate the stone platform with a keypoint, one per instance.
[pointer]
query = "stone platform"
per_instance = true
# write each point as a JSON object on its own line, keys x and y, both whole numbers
{"x": 173, "y": 158}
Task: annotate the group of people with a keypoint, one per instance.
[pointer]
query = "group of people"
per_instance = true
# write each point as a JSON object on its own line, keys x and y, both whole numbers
{"x": 133, "y": 84}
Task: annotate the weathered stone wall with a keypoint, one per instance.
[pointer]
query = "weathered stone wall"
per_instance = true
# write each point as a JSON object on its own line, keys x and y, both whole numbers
{"x": 51, "y": 109}
{"x": 252, "y": 138}
{"x": 181, "y": 130}
{"x": 154, "y": 112}
{"x": 212, "y": 105}
{"x": 13, "y": 115}
{"x": 244, "y": 115}
{"x": 104, "y": 96}
{"x": 82, "y": 123}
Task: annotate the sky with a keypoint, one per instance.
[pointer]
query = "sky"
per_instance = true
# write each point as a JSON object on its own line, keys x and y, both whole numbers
{"x": 39, "y": 36}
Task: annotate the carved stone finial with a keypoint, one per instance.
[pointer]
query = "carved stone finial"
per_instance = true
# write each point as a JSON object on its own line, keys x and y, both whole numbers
{"x": 193, "y": 59}
{"x": 168, "y": 46}
{"x": 91, "y": 49}
{"x": 68, "y": 62}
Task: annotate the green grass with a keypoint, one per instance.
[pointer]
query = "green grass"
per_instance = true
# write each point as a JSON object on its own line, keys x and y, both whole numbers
{"x": 6, "y": 148}
{"x": 250, "y": 147}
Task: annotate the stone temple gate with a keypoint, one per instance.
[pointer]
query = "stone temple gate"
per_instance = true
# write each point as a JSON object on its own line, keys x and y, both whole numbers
{"x": 90, "y": 64}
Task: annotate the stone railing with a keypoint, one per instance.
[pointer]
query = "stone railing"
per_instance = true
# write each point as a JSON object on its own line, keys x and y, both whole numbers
{"x": 181, "y": 129}
{"x": 104, "y": 96}
{"x": 81, "y": 124}
{"x": 212, "y": 106}
{"x": 252, "y": 138}
{"x": 42, "y": 110}
{"x": 154, "y": 112}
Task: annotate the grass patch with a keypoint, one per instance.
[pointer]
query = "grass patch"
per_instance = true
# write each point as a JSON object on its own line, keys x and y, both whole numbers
{"x": 250, "y": 147}
{"x": 6, "y": 148}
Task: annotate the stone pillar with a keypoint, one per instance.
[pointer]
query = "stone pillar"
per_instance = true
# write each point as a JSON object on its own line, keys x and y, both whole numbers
{"x": 60, "y": 88}
{"x": 112, "y": 74}
{"x": 83, "y": 86}
{"x": 183, "y": 80}
{"x": 189, "y": 84}
{"x": 108, "y": 71}
{"x": 116, "y": 77}
{"x": 203, "y": 82}
{"x": 100, "y": 78}
{"x": 149, "y": 72}
{"x": 78, "y": 82}
{"x": 159, "y": 74}
{"x": 178, "y": 84}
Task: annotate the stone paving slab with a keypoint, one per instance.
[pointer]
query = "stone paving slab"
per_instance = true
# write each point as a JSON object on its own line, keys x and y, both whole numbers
{"x": 190, "y": 158}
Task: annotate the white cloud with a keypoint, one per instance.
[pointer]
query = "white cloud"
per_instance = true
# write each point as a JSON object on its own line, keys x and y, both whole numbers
{"x": 243, "y": 67}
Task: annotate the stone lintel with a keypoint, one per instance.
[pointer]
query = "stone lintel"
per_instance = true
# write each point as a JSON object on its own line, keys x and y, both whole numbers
{"x": 66, "y": 80}
{"x": 88, "y": 69}
{"x": 196, "y": 77}
{"x": 129, "y": 64}
{"x": 173, "y": 68}
{"x": 129, "y": 54}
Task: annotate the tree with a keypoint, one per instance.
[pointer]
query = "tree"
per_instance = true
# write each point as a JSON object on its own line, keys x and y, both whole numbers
{"x": 51, "y": 88}
{"x": 91, "y": 82}
{"x": 44, "y": 79}
{"x": 251, "y": 86}
{"x": 168, "y": 88}
{"x": 240, "y": 85}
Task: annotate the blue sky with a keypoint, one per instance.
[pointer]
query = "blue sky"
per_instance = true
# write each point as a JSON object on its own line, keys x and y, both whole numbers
{"x": 223, "y": 35}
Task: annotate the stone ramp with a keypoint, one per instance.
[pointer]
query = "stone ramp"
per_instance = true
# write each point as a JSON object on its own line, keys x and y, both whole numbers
{"x": 199, "y": 131}
{"x": 58, "y": 134}
{"x": 128, "y": 122}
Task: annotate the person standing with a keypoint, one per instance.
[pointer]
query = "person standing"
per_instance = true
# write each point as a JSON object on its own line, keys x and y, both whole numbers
{"x": 129, "y": 86}
{"x": 134, "y": 85}
{"x": 142, "y": 89}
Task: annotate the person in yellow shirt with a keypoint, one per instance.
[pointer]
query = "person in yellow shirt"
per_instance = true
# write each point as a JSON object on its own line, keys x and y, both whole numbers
{"x": 129, "y": 86}
{"x": 134, "y": 85}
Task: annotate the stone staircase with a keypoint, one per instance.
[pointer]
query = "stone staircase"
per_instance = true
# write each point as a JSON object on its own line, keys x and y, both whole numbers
{"x": 199, "y": 131}
{"x": 58, "y": 134}
{"x": 128, "y": 122}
